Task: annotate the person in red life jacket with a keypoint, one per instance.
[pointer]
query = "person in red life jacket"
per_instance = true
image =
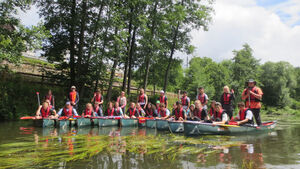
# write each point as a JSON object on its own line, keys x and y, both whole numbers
{"x": 179, "y": 113}
{"x": 245, "y": 115}
{"x": 190, "y": 112}
{"x": 98, "y": 98}
{"x": 118, "y": 109}
{"x": 49, "y": 96}
{"x": 185, "y": 100}
{"x": 163, "y": 112}
{"x": 163, "y": 98}
{"x": 68, "y": 110}
{"x": 110, "y": 111}
{"x": 132, "y": 111}
{"x": 122, "y": 101}
{"x": 227, "y": 99}
{"x": 142, "y": 99}
{"x": 199, "y": 113}
{"x": 157, "y": 108}
{"x": 252, "y": 97}
{"x": 44, "y": 111}
{"x": 220, "y": 116}
{"x": 150, "y": 111}
{"x": 140, "y": 110}
{"x": 73, "y": 97}
{"x": 89, "y": 111}
{"x": 98, "y": 110}
{"x": 202, "y": 97}
{"x": 212, "y": 109}
{"x": 48, "y": 101}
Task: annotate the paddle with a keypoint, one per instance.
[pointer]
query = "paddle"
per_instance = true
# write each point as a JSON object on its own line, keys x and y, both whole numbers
{"x": 38, "y": 97}
{"x": 28, "y": 118}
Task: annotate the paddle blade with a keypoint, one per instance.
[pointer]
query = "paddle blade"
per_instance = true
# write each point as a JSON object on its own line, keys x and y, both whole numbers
{"x": 27, "y": 118}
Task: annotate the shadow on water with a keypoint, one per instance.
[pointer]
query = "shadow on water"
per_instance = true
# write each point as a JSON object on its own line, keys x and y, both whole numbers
{"x": 131, "y": 147}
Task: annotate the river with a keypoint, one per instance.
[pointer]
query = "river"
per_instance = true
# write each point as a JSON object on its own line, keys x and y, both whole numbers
{"x": 24, "y": 146}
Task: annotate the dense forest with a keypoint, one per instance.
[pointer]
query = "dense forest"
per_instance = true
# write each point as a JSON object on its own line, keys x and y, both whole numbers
{"x": 91, "y": 39}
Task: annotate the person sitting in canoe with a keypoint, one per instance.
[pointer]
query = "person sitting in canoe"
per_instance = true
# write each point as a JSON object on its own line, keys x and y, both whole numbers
{"x": 190, "y": 111}
{"x": 49, "y": 96}
{"x": 141, "y": 111}
{"x": 142, "y": 99}
{"x": 44, "y": 111}
{"x": 98, "y": 98}
{"x": 150, "y": 111}
{"x": 132, "y": 111}
{"x": 185, "y": 100}
{"x": 73, "y": 97}
{"x": 199, "y": 113}
{"x": 89, "y": 111}
{"x": 179, "y": 113}
{"x": 110, "y": 111}
{"x": 163, "y": 98}
{"x": 212, "y": 109}
{"x": 157, "y": 108}
{"x": 49, "y": 103}
{"x": 227, "y": 99}
{"x": 98, "y": 110}
{"x": 220, "y": 116}
{"x": 245, "y": 115}
{"x": 67, "y": 111}
{"x": 164, "y": 113}
{"x": 118, "y": 109}
{"x": 122, "y": 101}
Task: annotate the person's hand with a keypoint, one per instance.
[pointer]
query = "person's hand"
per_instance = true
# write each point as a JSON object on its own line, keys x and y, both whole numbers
{"x": 238, "y": 123}
{"x": 232, "y": 91}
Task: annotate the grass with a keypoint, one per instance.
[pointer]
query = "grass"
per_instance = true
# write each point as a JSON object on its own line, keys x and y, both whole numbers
{"x": 37, "y": 62}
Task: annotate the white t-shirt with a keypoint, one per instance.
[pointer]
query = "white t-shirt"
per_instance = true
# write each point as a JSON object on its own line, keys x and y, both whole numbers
{"x": 167, "y": 113}
{"x": 249, "y": 115}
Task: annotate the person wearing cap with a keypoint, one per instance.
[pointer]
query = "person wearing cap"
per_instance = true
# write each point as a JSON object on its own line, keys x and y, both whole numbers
{"x": 202, "y": 97}
{"x": 73, "y": 97}
{"x": 220, "y": 116}
{"x": 179, "y": 113}
{"x": 163, "y": 113}
{"x": 163, "y": 98}
{"x": 67, "y": 110}
{"x": 157, "y": 108}
{"x": 98, "y": 98}
{"x": 252, "y": 96}
{"x": 185, "y": 100}
{"x": 226, "y": 100}
{"x": 245, "y": 115}
{"x": 142, "y": 99}
{"x": 199, "y": 113}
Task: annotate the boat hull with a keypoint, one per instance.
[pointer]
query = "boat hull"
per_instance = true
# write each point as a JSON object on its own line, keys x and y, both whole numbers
{"x": 129, "y": 122}
{"x": 108, "y": 122}
{"x": 162, "y": 124}
{"x": 44, "y": 122}
{"x": 83, "y": 122}
{"x": 176, "y": 127}
{"x": 151, "y": 123}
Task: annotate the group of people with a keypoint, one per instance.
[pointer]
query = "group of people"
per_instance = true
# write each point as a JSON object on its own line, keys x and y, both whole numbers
{"x": 220, "y": 112}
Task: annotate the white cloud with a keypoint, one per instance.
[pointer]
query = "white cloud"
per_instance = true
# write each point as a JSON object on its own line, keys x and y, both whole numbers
{"x": 237, "y": 22}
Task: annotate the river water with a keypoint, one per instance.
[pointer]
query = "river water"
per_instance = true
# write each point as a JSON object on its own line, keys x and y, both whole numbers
{"x": 24, "y": 146}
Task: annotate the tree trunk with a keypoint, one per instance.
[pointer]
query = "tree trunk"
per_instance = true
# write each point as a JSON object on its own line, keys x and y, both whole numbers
{"x": 81, "y": 37}
{"x": 72, "y": 45}
{"x": 130, "y": 59}
{"x": 171, "y": 56}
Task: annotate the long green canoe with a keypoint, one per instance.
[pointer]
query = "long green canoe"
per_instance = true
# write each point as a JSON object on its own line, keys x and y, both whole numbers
{"x": 162, "y": 124}
{"x": 176, "y": 126}
{"x": 83, "y": 122}
{"x": 151, "y": 123}
{"x": 63, "y": 123}
{"x": 198, "y": 128}
{"x": 44, "y": 122}
{"x": 103, "y": 122}
{"x": 129, "y": 122}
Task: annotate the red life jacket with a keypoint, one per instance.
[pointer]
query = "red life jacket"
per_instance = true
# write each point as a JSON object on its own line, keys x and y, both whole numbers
{"x": 72, "y": 96}
{"x": 45, "y": 113}
{"x": 218, "y": 114}
{"x": 184, "y": 101}
{"x": 198, "y": 112}
{"x": 162, "y": 99}
{"x": 179, "y": 114}
{"x": 88, "y": 112}
{"x": 142, "y": 98}
{"x": 96, "y": 109}
{"x": 242, "y": 114}
{"x": 49, "y": 97}
{"x": 202, "y": 98}
{"x": 252, "y": 98}
{"x": 149, "y": 112}
{"x": 132, "y": 112}
{"x": 226, "y": 98}
{"x": 110, "y": 112}
{"x": 98, "y": 97}
{"x": 163, "y": 113}
{"x": 211, "y": 111}
{"x": 69, "y": 112}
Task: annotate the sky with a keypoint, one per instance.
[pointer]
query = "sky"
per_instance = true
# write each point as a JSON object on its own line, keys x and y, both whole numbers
{"x": 270, "y": 27}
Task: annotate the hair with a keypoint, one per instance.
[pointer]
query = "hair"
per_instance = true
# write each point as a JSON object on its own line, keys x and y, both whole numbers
{"x": 162, "y": 105}
{"x": 116, "y": 103}
{"x": 98, "y": 90}
{"x": 198, "y": 101}
{"x": 141, "y": 89}
{"x": 184, "y": 92}
{"x": 226, "y": 87}
{"x": 132, "y": 103}
{"x": 218, "y": 104}
{"x": 200, "y": 88}
{"x": 213, "y": 102}
{"x": 241, "y": 104}
{"x": 108, "y": 104}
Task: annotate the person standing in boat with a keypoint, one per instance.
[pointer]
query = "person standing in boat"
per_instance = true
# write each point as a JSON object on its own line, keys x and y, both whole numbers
{"x": 73, "y": 97}
{"x": 67, "y": 110}
{"x": 163, "y": 98}
{"x": 202, "y": 97}
{"x": 140, "y": 110}
{"x": 179, "y": 113}
{"x": 110, "y": 111}
{"x": 49, "y": 96}
{"x": 122, "y": 101}
{"x": 164, "y": 113}
{"x": 199, "y": 113}
{"x": 142, "y": 99}
{"x": 245, "y": 115}
{"x": 185, "y": 100}
{"x": 44, "y": 111}
{"x": 98, "y": 98}
{"x": 132, "y": 111}
{"x": 220, "y": 116}
{"x": 98, "y": 110}
{"x": 227, "y": 99}
{"x": 118, "y": 109}
{"x": 89, "y": 111}
{"x": 252, "y": 96}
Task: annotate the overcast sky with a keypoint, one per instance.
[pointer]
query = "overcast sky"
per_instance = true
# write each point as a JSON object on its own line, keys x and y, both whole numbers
{"x": 270, "y": 27}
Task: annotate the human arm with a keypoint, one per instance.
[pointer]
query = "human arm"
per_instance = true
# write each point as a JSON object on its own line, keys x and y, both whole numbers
{"x": 75, "y": 112}
{"x": 146, "y": 101}
{"x": 60, "y": 112}
{"x": 38, "y": 112}
{"x": 77, "y": 98}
